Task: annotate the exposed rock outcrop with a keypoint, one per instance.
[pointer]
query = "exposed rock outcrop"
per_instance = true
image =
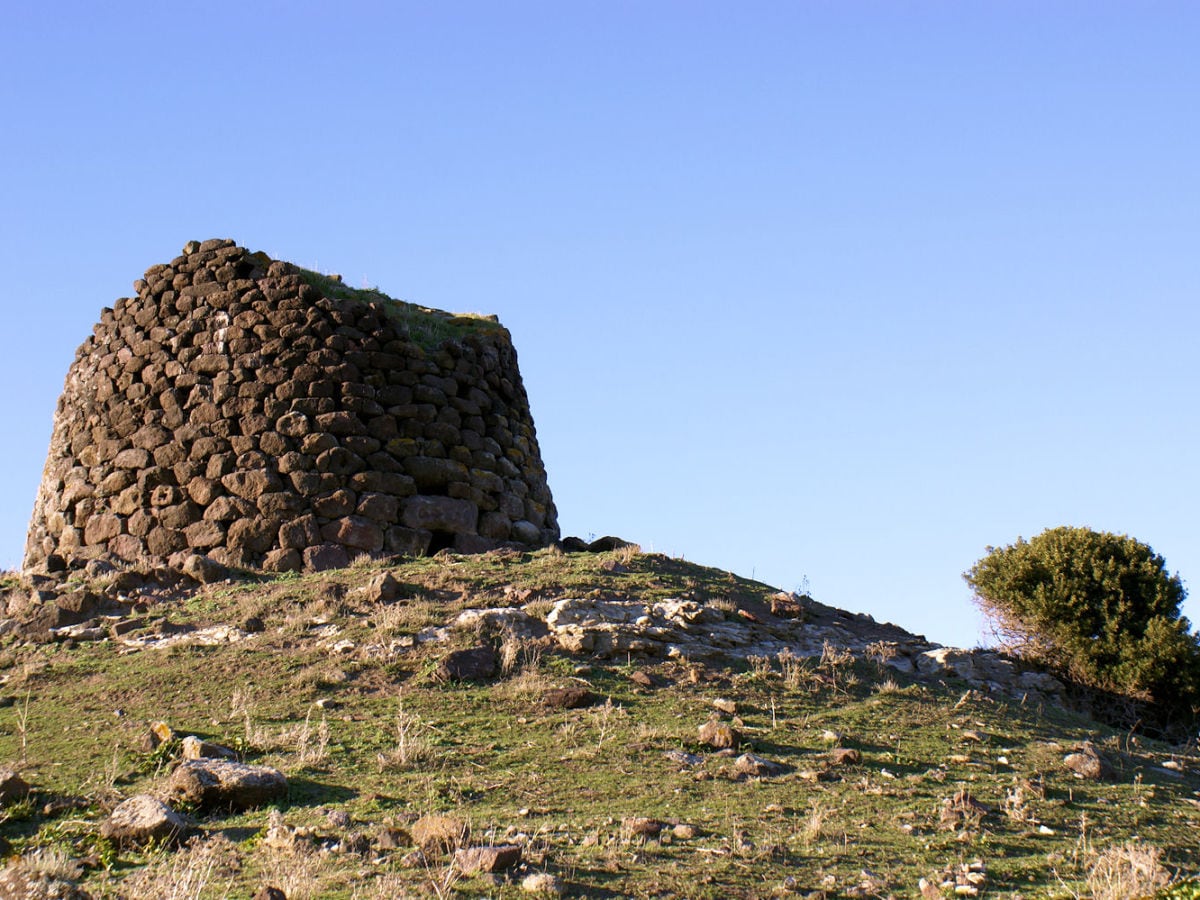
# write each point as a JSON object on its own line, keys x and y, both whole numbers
{"x": 686, "y": 629}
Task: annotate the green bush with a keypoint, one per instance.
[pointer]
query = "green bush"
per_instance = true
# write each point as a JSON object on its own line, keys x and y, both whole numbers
{"x": 1184, "y": 890}
{"x": 1099, "y": 607}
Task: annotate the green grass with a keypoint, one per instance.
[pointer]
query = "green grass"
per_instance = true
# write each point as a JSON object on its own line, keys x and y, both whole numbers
{"x": 427, "y": 328}
{"x": 562, "y": 781}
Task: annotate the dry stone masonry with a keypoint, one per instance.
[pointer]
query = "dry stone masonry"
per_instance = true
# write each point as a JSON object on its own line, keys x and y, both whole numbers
{"x": 271, "y": 417}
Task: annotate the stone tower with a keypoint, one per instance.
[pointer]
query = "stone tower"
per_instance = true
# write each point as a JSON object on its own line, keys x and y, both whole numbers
{"x": 271, "y": 417}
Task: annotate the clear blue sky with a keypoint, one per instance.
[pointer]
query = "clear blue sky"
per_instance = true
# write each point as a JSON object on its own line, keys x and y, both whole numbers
{"x": 837, "y": 290}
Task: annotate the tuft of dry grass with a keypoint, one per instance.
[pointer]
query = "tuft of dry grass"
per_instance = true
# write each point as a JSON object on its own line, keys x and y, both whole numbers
{"x": 387, "y": 887}
{"x": 1127, "y": 870}
{"x": 760, "y": 666}
{"x": 625, "y": 555}
{"x": 797, "y": 674}
{"x": 52, "y": 861}
{"x": 312, "y": 742}
{"x": 881, "y": 651}
{"x": 412, "y": 743}
{"x": 518, "y": 653}
{"x": 815, "y": 824}
{"x": 528, "y": 684}
{"x": 887, "y": 686}
{"x": 298, "y": 872}
{"x": 203, "y": 869}
{"x": 725, "y": 604}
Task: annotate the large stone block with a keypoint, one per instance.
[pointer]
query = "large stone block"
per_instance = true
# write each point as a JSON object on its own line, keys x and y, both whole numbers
{"x": 440, "y": 514}
{"x": 300, "y": 533}
{"x": 433, "y": 474}
{"x": 355, "y": 532}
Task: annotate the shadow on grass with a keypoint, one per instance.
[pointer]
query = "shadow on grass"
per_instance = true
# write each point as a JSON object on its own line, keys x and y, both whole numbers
{"x": 306, "y": 792}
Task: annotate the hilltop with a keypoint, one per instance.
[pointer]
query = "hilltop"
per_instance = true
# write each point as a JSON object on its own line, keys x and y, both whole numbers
{"x": 633, "y": 725}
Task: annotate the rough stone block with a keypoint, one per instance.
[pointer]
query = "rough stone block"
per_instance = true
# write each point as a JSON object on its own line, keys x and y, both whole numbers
{"x": 323, "y": 557}
{"x": 440, "y": 514}
{"x": 433, "y": 474}
{"x": 355, "y": 532}
{"x": 379, "y": 507}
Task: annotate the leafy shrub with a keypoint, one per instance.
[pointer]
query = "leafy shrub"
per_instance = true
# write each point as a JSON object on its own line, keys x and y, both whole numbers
{"x": 1184, "y": 890}
{"x": 1098, "y": 606}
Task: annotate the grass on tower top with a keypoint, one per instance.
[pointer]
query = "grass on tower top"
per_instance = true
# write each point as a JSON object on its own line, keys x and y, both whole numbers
{"x": 426, "y": 327}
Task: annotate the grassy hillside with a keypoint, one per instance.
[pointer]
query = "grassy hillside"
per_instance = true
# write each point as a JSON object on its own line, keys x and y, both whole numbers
{"x": 947, "y": 784}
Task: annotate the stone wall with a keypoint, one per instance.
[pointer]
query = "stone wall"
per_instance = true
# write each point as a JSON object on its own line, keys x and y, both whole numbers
{"x": 271, "y": 417}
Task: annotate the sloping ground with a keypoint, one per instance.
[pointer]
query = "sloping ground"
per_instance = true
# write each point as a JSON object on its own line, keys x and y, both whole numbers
{"x": 849, "y": 774}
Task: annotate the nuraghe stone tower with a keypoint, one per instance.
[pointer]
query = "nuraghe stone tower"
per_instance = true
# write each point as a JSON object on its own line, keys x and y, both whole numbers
{"x": 271, "y": 417}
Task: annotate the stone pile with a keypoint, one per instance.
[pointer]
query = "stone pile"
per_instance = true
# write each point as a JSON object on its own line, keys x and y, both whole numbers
{"x": 270, "y": 417}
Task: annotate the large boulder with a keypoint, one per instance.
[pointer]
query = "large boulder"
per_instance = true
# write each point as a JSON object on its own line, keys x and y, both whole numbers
{"x": 143, "y": 819}
{"x": 224, "y": 784}
{"x": 12, "y": 786}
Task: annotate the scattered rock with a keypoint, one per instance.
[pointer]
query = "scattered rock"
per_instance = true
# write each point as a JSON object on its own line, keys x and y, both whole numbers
{"x": 143, "y": 819}
{"x": 1087, "y": 763}
{"x": 684, "y": 831}
{"x": 607, "y": 543}
{"x": 844, "y": 756}
{"x": 726, "y": 706}
{"x": 641, "y": 826}
{"x": 568, "y": 698}
{"x": 962, "y": 809}
{"x": 21, "y": 882}
{"x": 281, "y": 836}
{"x": 439, "y": 834}
{"x": 161, "y": 733}
{"x": 391, "y": 838}
{"x": 221, "y": 783}
{"x": 415, "y": 859}
{"x": 124, "y": 626}
{"x": 962, "y": 880}
{"x": 719, "y": 735}
{"x": 758, "y": 767}
{"x": 12, "y": 786}
{"x": 203, "y": 569}
{"x": 787, "y": 606}
{"x": 475, "y": 664}
{"x": 383, "y": 588}
{"x": 492, "y": 858}
{"x": 195, "y": 748}
{"x": 642, "y": 678}
{"x": 542, "y": 883}
{"x": 355, "y": 842}
{"x": 684, "y": 758}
